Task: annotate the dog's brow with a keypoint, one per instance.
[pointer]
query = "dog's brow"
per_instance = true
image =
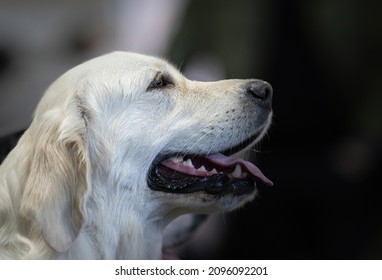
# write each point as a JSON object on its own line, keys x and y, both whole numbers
{"x": 168, "y": 77}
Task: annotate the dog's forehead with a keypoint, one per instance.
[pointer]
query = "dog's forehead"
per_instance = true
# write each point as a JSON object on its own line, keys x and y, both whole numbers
{"x": 139, "y": 62}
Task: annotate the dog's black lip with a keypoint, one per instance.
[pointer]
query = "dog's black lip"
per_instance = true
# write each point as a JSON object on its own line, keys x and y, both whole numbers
{"x": 218, "y": 184}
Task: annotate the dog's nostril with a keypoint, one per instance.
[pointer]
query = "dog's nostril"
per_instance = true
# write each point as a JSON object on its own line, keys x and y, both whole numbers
{"x": 261, "y": 90}
{"x": 267, "y": 92}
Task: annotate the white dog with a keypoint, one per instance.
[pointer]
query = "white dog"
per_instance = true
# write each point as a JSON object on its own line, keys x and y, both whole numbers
{"x": 121, "y": 145}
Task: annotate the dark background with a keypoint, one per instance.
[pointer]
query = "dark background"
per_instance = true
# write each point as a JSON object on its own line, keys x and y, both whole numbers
{"x": 323, "y": 152}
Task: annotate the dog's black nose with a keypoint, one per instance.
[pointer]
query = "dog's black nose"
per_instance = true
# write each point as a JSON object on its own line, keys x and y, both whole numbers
{"x": 261, "y": 90}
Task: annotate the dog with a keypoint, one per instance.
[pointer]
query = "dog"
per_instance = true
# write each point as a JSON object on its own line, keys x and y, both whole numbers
{"x": 120, "y": 146}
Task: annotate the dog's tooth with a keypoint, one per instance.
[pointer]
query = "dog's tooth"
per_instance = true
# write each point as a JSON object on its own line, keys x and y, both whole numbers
{"x": 237, "y": 172}
{"x": 244, "y": 174}
{"x": 202, "y": 168}
{"x": 176, "y": 159}
{"x": 188, "y": 163}
{"x": 214, "y": 171}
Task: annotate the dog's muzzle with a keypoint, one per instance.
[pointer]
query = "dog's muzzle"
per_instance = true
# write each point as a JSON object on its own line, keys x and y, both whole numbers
{"x": 216, "y": 173}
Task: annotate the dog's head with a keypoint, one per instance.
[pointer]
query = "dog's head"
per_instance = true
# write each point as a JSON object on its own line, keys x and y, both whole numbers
{"x": 130, "y": 132}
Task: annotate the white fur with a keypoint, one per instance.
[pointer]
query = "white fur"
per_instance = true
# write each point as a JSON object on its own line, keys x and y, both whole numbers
{"x": 75, "y": 185}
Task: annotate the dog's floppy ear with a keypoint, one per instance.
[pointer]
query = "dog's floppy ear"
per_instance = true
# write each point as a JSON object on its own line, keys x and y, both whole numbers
{"x": 58, "y": 181}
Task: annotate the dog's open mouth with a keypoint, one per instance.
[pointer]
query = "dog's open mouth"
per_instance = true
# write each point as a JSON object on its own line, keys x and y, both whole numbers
{"x": 215, "y": 174}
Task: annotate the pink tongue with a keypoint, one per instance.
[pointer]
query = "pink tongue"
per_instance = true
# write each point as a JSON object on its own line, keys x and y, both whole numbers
{"x": 222, "y": 160}
{"x": 218, "y": 160}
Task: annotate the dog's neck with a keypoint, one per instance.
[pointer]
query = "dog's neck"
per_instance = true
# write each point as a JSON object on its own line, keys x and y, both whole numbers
{"x": 136, "y": 234}
{"x": 138, "y": 240}
{"x": 128, "y": 245}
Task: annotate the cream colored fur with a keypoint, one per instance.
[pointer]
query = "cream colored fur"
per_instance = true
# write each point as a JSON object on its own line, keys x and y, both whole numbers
{"x": 75, "y": 185}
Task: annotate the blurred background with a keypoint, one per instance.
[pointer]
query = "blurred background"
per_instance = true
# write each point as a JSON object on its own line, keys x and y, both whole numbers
{"x": 323, "y": 59}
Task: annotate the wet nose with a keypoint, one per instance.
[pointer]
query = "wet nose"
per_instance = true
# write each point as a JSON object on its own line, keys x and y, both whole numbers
{"x": 261, "y": 91}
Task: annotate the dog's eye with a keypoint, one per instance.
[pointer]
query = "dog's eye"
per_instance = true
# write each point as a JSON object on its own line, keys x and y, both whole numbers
{"x": 159, "y": 81}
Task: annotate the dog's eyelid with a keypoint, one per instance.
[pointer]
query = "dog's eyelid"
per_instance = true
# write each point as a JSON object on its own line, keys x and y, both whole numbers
{"x": 160, "y": 80}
